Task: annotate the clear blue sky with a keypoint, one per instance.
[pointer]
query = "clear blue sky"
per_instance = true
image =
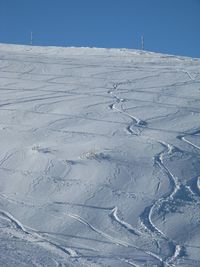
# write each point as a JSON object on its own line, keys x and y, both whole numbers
{"x": 168, "y": 26}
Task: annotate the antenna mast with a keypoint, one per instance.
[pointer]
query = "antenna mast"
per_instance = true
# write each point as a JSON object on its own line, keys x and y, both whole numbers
{"x": 142, "y": 42}
{"x": 31, "y": 42}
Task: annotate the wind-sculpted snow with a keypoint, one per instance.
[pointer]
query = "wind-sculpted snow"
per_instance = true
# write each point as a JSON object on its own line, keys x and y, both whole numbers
{"x": 99, "y": 159}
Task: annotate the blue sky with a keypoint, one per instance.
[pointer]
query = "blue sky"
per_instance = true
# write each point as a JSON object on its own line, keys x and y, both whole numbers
{"x": 168, "y": 26}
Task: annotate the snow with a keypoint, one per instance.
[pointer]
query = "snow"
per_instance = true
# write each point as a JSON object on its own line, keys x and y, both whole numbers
{"x": 99, "y": 159}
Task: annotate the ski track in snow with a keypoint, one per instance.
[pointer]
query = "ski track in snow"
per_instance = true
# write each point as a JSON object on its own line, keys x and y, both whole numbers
{"x": 35, "y": 236}
{"x": 99, "y": 157}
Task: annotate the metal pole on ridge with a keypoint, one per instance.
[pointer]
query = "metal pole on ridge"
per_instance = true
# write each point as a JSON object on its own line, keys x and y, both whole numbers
{"x": 142, "y": 42}
{"x": 31, "y": 41}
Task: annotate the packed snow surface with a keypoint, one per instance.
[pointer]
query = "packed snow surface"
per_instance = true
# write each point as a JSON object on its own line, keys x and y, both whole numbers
{"x": 99, "y": 158}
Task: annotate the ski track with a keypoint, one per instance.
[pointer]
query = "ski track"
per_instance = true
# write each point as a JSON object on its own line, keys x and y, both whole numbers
{"x": 75, "y": 127}
{"x": 36, "y": 237}
{"x": 146, "y": 217}
{"x": 136, "y": 122}
{"x": 146, "y": 220}
{"x": 114, "y": 216}
{"x": 190, "y": 143}
{"x": 115, "y": 240}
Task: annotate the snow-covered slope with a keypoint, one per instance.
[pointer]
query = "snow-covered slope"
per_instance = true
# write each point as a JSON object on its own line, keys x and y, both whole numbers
{"x": 99, "y": 158}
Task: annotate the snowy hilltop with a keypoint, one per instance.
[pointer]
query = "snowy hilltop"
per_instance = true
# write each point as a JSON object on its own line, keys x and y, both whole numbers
{"x": 99, "y": 158}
